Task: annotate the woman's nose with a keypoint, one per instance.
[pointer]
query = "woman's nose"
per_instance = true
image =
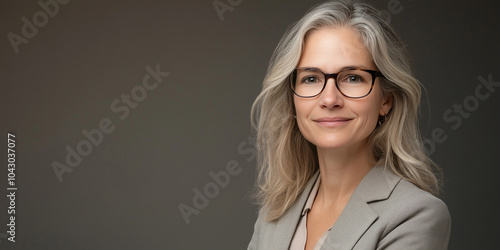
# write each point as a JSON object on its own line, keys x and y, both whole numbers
{"x": 331, "y": 96}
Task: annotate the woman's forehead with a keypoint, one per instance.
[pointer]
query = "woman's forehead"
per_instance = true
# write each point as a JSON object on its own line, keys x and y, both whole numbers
{"x": 331, "y": 48}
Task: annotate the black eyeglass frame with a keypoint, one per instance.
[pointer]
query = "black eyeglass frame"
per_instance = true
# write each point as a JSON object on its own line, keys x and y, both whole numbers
{"x": 293, "y": 76}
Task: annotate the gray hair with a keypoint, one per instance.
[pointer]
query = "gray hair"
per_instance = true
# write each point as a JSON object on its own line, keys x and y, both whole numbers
{"x": 286, "y": 160}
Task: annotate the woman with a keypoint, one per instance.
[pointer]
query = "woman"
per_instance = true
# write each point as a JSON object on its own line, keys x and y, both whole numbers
{"x": 341, "y": 161}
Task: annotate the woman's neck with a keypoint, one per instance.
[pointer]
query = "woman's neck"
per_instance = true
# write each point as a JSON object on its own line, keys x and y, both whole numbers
{"x": 341, "y": 171}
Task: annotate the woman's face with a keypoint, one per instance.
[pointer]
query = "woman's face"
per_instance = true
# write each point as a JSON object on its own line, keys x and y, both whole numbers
{"x": 332, "y": 120}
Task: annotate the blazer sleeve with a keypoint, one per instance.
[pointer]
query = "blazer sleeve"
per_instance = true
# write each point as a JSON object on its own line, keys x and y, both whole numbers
{"x": 254, "y": 242}
{"x": 420, "y": 223}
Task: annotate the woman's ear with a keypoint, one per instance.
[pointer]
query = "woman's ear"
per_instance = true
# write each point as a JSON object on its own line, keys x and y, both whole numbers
{"x": 386, "y": 104}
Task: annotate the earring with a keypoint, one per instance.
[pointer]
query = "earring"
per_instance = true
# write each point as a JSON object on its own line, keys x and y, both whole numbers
{"x": 381, "y": 119}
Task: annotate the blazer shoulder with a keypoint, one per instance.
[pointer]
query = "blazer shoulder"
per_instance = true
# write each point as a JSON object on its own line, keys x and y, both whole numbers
{"x": 410, "y": 195}
{"x": 414, "y": 215}
{"x": 277, "y": 234}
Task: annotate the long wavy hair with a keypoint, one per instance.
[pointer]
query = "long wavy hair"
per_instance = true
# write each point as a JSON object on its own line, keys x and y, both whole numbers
{"x": 286, "y": 160}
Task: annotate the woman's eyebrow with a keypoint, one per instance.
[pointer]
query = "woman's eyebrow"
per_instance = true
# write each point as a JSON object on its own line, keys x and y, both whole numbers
{"x": 354, "y": 67}
{"x": 343, "y": 68}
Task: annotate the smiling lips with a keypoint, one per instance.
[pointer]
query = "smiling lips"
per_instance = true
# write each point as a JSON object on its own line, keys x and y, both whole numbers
{"x": 332, "y": 121}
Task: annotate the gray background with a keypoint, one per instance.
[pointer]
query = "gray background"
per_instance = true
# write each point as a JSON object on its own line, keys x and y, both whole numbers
{"x": 126, "y": 193}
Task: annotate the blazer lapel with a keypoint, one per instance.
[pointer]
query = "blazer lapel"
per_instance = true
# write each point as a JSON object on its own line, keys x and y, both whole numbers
{"x": 285, "y": 229}
{"x": 357, "y": 215}
{"x": 354, "y": 220}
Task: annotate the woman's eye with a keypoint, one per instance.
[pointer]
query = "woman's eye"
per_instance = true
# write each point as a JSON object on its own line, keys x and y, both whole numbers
{"x": 354, "y": 79}
{"x": 310, "y": 79}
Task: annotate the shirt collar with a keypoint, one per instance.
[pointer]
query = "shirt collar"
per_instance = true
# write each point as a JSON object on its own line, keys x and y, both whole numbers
{"x": 312, "y": 196}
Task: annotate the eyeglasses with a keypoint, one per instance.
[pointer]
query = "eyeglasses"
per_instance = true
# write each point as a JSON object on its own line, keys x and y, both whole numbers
{"x": 352, "y": 83}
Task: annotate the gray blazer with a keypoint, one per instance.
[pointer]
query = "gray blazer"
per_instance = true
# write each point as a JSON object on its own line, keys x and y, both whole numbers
{"x": 384, "y": 212}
